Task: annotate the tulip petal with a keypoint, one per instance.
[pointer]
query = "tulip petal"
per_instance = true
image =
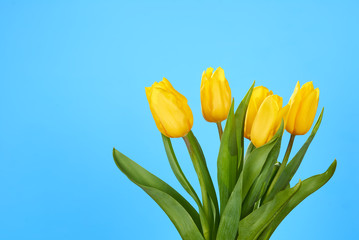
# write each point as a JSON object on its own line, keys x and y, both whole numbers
{"x": 296, "y": 89}
{"x": 264, "y": 121}
{"x": 258, "y": 95}
{"x": 172, "y": 115}
{"x": 148, "y": 92}
{"x": 294, "y": 107}
{"x": 219, "y": 74}
{"x": 215, "y": 95}
{"x": 206, "y": 102}
{"x": 250, "y": 116}
{"x": 173, "y": 118}
{"x": 306, "y": 89}
{"x": 280, "y": 116}
{"x": 306, "y": 113}
{"x": 206, "y": 75}
{"x": 220, "y": 99}
{"x": 209, "y": 72}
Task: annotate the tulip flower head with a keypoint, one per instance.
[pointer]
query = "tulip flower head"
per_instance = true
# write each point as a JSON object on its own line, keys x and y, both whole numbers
{"x": 303, "y": 107}
{"x": 169, "y": 108}
{"x": 215, "y": 95}
{"x": 267, "y": 120}
{"x": 258, "y": 95}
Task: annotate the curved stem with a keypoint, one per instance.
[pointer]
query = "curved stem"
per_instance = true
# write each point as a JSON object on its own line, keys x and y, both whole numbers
{"x": 220, "y": 130}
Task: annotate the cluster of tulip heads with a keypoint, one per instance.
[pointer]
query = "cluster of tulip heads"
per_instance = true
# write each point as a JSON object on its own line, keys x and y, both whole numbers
{"x": 264, "y": 116}
{"x": 254, "y": 188}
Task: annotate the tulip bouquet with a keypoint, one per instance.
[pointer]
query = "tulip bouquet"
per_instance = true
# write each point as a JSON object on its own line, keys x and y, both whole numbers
{"x": 255, "y": 193}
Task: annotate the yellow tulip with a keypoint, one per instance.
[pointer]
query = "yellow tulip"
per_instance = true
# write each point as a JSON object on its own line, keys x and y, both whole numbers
{"x": 267, "y": 120}
{"x": 258, "y": 95}
{"x": 215, "y": 95}
{"x": 172, "y": 115}
{"x": 303, "y": 107}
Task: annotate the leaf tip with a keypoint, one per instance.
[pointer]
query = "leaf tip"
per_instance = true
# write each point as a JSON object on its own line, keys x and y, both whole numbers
{"x": 334, "y": 164}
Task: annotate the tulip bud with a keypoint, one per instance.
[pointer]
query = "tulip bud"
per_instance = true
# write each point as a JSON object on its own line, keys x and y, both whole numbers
{"x": 267, "y": 120}
{"x": 303, "y": 107}
{"x": 215, "y": 95}
{"x": 258, "y": 95}
{"x": 172, "y": 115}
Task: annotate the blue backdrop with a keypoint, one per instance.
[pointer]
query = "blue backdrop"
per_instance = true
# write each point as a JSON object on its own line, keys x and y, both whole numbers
{"x": 72, "y": 78}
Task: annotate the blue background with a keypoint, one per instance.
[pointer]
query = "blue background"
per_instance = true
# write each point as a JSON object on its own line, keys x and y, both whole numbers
{"x": 72, "y": 78}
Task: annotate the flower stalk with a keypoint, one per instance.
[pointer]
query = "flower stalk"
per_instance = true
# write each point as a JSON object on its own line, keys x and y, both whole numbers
{"x": 220, "y": 129}
{"x": 283, "y": 165}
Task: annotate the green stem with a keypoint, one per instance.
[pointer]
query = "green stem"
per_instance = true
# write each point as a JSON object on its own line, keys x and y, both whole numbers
{"x": 287, "y": 153}
{"x": 220, "y": 130}
{"x": 283, "y": 165}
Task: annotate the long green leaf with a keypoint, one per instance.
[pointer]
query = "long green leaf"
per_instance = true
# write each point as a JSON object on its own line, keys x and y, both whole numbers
{"x": 265, "y": 186}
{"x": 227, "y": 160}
{"x": 231, "y": 211}
{"x": 182, "y": 214}
{"x": 240, "y": 117}
{"x": 176, "y": 168}
{"x": 209, "y": 196}
{"x": 256, "y": 160}
{"x": 308, "y": 187}
{"x": 261, "y": 184}
{"x": 252, "y": 226}
{"x": 175, "y": 211}
{"x": 250, "y": 148}
{"x": 274, "y": 172}
{"x": 228, "y": 225}
{"x": 292, "y": 167}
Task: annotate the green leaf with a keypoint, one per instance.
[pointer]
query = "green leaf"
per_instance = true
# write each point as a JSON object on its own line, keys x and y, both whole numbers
{"x": 262, "y": 182}
{"x": 176, "y": 168}
{"x": 309, "y": 186}
{"x": 250, "y": 148}
{"x": 256, "y": 160}
{"x": 227, "y": 160}
{"x": 240, "y": 117}
{"x": 209, "y": 196}
{"x": 274, "y": 172}
{"x": 175, "y": 211}
{"x": 230, "y": 217}
{"x": 265, "y": 187}
{"x": 252, "y": 226}
{"x": 292, "y": 167}
{"x": 228, "y": 225}
{"x": 182, "y": 214}
{"x": 252, "y": 167}
{"x": 232, "y": 210}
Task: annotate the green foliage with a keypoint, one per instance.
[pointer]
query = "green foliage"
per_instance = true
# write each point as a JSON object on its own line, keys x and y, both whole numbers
{"x": 181, "y": 213}
{"x": 209, "y": 197}
{"x": 227, "y": 160}
{"x": 252, "y": 226}
{"x": 293, "y": 165}
{"x": 176, "y": 168}
{"x": 231, "y": 207}
{"x": 254, "y": 187}
{"x": 308, "y": 186}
